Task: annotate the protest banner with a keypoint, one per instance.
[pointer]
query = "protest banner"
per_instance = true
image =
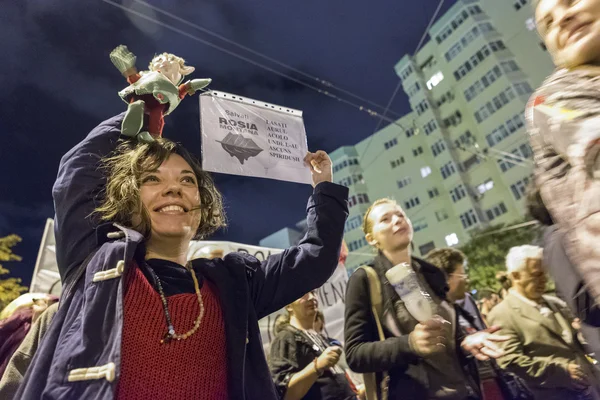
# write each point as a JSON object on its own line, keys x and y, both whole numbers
{"x": 242, "y": 136}
{"x": 331, "y": 295}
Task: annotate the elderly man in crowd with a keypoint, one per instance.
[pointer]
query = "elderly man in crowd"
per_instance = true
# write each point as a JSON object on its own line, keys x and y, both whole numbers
{"x": 543, "y": 348}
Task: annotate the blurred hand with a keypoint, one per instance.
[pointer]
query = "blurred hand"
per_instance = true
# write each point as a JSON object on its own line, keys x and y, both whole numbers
{"x": 320, "y": 167}
{"x": 482, "y": 345}
{"x": 329, "y": 358}
{"x": 428, "y": 337}
{"x": 580, "y": 381}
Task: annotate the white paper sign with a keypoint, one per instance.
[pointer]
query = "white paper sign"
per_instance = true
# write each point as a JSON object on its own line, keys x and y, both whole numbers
{"x": 242, "y": 136}
{"x": 331, "y": 295}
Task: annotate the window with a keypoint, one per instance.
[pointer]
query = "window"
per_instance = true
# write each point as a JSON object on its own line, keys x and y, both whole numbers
{"x": 357, "y": 244}
{"x": 519, "y": 188}
{"x": 406, "y": 72}
{"x": 518, "y": 4}
{"x": 523, "y": 89}
{"x": 414, "y": 89}
{"x": 425, "y": 171}
{"x": 390, "y": 143}
{"x": 430, "y": 127}
{"x": 441, "y": 215}
{"x": 418, "y": 151}
{"x": 509, "y": 66}
{"x": 413, "y": 202}
{"x": 476, "y": 58}
{"x": 486, "y": 80}
{"x": 451, "y": 239}
{"x": 506, "y": 129}
{"x": 485, "y": 186}
{"x": 419, "y": 226}
{"x": 496, "y": 211}
{"x": 353, "y": 223}
{"x": 409, "y": 132}
{"x": 422, "y": 107}
{"x": 543, "y": 46}
{"x": 361, "y": 198}
{"x": 397, "y": 162}
{"x": 494, "y": 105}
{"x": 453, "y": 120}
{"x": 344, "y": 164}
{"x": 433, "y": 192}
{"x": 448, "y": 169}
{"x": 438, "y": 147}
{"x": 455, "y": 23}
{"x": 426, "y": 248}
{"x": 470, "y": 162}
{"x": 404, "y": 182}
{"x": 464, "y": 139}
{"x": 435, "y": 80}
{"x": 458, "y": 193}
{"x": 468, "y": 219}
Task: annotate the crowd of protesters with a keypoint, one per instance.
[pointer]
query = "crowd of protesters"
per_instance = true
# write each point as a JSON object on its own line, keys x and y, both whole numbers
{"x": 137, "y": 320}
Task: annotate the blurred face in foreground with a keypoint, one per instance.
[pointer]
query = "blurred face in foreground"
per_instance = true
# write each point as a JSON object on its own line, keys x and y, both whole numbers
{"x": 570, "y": 30}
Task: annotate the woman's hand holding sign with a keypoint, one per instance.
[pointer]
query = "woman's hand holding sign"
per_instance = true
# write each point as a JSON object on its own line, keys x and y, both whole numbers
{"x": 320, "y": 167}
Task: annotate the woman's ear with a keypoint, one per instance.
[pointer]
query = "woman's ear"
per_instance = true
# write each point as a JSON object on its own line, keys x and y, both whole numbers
{"x": 371, "y": 240}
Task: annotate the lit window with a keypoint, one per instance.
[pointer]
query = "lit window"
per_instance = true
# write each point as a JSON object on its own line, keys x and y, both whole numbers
{"x": 435, "y": 80}
{"x": 484, "y": 187}
{"x": 425, "y": 171}
{"x": 530, "y": 24}
{"x": 451, "y": 239}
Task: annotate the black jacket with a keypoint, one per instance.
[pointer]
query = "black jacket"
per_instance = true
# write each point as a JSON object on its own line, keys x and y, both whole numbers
{"x": 366, "y": 353}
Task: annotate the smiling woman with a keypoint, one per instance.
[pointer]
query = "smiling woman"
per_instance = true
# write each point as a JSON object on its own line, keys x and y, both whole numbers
{"x": 137, "y": 319}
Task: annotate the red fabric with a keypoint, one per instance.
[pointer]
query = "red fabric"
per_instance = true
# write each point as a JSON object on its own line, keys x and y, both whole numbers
{"x": 194, "y": 368}
{"x": 491, "y": 390}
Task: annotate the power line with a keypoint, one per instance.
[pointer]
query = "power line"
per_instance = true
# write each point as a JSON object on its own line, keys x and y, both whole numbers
{"x": 259, "y": 54}
{"x": 395, "y": 92}
{"x": 255, "y": 63}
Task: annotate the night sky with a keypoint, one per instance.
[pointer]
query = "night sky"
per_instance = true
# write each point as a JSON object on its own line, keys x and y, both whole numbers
{"x": 59, "y": 83}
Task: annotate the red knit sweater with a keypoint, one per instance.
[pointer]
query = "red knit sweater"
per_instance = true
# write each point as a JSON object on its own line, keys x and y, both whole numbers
{"x": 194, "y": 368}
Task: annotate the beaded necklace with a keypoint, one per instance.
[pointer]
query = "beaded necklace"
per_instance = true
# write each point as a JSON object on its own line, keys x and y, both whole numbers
{"x": 171, "y": 335}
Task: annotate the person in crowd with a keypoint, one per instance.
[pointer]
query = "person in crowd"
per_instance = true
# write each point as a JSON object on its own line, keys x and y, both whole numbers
{"x": 452, "y": 262}
{"x": 19, "y": 315}
{"x": 505, "y": 283}
{"x": 304, "y": 364}
{"x": 569, "y": 285}
{"x": 563, "y": 118}
{"x": 488, "y": 299}
{"x": 137, "y": 320}
{"x": 543, "y": 348}
{"x": 424, "y": 359}
{"x": 19, "y": 362}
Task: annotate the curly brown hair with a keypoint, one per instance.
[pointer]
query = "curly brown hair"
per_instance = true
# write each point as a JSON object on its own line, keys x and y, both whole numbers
{"x": 446, "y": 259}
{"x": 122, "y": 201}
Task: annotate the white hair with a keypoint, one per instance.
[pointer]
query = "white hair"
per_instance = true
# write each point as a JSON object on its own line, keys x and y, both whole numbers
{"x": 517, "y": 257}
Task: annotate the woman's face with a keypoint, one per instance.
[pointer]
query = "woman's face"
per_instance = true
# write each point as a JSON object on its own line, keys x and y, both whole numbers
{"x": 391, "y": 228}
{"x": 306, "y": 306}
{"x": 570, "y": 30}
{"x": 168, "y": 195}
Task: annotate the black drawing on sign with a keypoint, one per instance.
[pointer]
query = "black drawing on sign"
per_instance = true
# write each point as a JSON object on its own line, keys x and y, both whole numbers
{"x": 239, "y": 147}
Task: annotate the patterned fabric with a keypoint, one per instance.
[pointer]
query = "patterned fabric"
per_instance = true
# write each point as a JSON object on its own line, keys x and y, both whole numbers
{"x": 150, "y": 369}
{"x": 564, "y": 130}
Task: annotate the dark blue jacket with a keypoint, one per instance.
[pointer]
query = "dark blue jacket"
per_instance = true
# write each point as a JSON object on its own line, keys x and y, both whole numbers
{"x": 80, "y": 356}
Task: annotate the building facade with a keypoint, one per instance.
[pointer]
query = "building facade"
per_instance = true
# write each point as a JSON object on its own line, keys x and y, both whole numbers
{"x": 461, "y": 159}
